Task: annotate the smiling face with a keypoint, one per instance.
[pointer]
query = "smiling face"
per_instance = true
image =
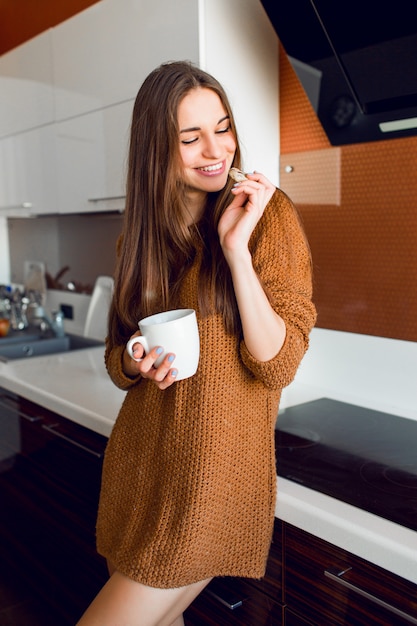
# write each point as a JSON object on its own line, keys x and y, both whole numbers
{"x": 207, "y": 143}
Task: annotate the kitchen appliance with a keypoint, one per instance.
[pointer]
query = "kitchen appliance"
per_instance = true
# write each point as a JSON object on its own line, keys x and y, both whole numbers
{"x": 361, "y": 456}
{"x": 357, "y": 63}
{"x": 34, "y": 278}
{"x": 96, "y": 319}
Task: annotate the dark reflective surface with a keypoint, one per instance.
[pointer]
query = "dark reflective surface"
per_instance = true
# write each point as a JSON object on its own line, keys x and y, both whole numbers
{"x": 360, "y": 456}
{"x": 29, "y": 344}
{"x": 356, "y": 63}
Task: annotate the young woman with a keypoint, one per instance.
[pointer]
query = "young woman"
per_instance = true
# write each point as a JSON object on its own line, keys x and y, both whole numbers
{"x": 188, "y": 489}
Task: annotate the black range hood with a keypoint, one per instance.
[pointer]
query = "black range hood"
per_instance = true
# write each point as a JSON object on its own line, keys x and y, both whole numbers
{"x": 357, "y": 62}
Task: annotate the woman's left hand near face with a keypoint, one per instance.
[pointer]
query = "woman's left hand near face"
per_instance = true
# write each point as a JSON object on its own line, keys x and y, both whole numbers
{"x": 163, "y": 375}
{"x": 241, "y": 216}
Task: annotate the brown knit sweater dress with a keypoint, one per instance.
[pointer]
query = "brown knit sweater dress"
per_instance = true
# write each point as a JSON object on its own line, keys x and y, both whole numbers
{"x": 188, "y": 487}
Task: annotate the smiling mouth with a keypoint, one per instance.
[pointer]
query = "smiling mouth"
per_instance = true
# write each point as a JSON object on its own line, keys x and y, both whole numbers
{"x": 212, "y": 169}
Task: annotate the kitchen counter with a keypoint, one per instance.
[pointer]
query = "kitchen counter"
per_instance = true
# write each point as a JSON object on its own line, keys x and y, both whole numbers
{"x": 76, "y": 385}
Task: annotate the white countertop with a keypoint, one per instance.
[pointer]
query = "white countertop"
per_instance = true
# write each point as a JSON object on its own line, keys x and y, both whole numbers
{"x": 73, "y": 384}
{"x": 76, "y": 385}
{"x": 373, "y": 538}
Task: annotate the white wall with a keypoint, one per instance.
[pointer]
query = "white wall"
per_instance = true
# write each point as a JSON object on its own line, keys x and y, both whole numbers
{"x": 79, "y": 303}
{"x": 239, "y": 46}
{"x": 374, "y": 372}
{"x": 4, "y": 253}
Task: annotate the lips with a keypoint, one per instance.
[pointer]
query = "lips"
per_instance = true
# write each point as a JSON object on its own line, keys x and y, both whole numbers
{"x": 212, "y": 170}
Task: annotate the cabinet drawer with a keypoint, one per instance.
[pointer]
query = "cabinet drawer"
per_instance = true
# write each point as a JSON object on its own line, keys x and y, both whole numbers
{"x": 233, "y": 602}
{"x": 330, "y": 586}
{"x": 272, "y": 583}
{"x": 68, "y": 454}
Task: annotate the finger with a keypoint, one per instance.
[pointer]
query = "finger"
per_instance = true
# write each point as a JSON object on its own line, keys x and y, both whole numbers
{"x": 164, "y": 368}
{"x": 248, "y": 187}
{"x": 148, "y": 361}
{"x": 170, "y": 378}
{"x": 137, "y": 351}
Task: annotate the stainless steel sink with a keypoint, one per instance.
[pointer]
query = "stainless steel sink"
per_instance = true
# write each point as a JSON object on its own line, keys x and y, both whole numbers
{"x": 25, "y": 344}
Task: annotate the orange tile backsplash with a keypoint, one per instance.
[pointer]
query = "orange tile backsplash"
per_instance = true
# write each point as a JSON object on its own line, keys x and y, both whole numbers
{"x": 364, "y": 249}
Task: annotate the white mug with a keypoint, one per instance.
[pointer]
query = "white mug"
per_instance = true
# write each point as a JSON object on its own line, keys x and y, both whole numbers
{"x": 175, "y": 331}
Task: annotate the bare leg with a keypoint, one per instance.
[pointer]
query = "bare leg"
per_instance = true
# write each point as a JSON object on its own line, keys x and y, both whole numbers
{"x": 124, "y": 601}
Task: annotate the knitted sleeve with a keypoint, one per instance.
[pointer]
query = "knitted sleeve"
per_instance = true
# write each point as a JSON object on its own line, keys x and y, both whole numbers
{"x": 113, "y": 360}
{"x": 281, "y": 258}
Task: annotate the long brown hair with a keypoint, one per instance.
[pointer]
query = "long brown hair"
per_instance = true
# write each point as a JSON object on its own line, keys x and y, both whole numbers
{"x": 156, "y": 243}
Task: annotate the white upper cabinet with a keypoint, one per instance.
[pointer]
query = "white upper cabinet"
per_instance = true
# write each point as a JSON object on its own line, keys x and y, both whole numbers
{"x": 102, "y": 55}
{"x": 26, "y": 88}
{"x": 27, "y": 173}
{"x": 91, "y": 160}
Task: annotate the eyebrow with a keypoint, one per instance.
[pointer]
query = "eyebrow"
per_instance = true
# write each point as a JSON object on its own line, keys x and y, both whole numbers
{"x": 194, "y": 128}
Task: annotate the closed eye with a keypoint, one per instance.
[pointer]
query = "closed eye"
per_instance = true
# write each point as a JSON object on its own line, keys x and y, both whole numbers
{"x": 223, "y": 130}
{"x": 193, "y": 139}
{"x": 188, "y": 141}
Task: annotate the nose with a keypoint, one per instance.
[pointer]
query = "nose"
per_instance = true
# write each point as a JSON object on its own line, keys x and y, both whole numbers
{"x": 211, "y": 147}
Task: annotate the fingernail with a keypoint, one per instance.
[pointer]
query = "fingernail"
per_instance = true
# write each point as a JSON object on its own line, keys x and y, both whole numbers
{"x": 171, "y": 358}
{"x": 159, "y": 350}
{"x": 174, "y": 372}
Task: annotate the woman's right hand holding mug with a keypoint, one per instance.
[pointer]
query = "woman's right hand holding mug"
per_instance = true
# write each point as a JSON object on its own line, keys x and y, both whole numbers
{"x": 163, "y": 375}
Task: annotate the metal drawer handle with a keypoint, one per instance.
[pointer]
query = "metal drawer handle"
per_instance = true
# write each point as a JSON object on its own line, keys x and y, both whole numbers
{"x": 230, "y": 604}
{"x": 335, "y": 574}
{"x": 12, "y": 407}
{"x": 30, "y": 418}
{"x": 51, "y": 428}
{"x": 106, "y": 198}
{"x": 22, "y": 205}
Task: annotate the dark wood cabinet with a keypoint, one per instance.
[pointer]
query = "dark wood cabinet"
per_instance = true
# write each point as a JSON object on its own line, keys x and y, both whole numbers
{"x": 292, "y": 619}
{"x": 234, "y": 603}
{"x": 327, "y": 585}
{"x": 50, "y": 472}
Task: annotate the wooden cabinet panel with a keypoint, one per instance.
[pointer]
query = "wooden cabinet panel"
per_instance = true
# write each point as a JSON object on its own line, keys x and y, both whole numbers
{"x": 330, "y": 586}
{"x": 312, "y": 177}
{"x": 292, "y": 619}
{"x": 49, "y": 489}
{"x": 233, "y": 602}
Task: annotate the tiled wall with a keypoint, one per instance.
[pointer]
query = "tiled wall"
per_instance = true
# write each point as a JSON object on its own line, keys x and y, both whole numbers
{"x": 365, "y": 248}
